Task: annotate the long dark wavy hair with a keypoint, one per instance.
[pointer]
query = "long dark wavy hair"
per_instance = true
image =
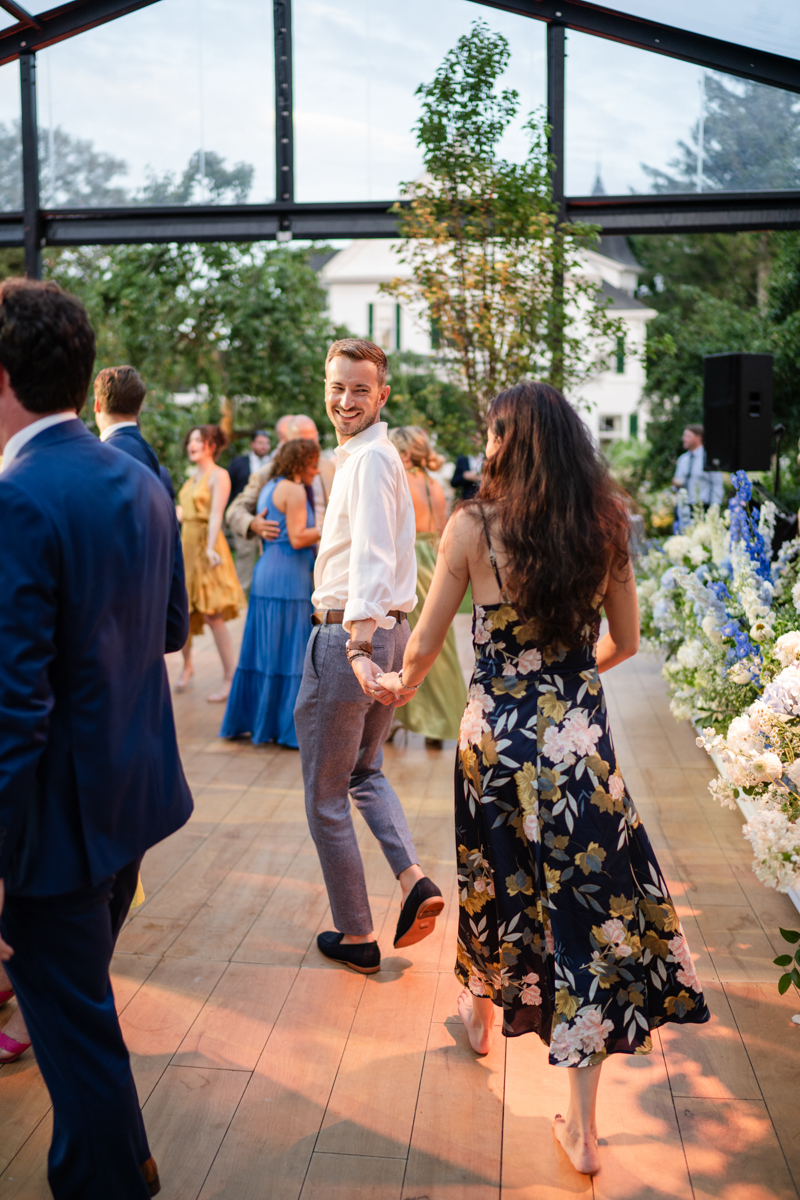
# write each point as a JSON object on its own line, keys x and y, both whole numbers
{"x": 562, "y": 520}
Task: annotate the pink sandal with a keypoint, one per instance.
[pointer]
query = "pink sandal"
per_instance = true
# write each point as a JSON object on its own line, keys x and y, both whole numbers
{"x": 6, "y": 996}
{"x": 12, "y": 1048}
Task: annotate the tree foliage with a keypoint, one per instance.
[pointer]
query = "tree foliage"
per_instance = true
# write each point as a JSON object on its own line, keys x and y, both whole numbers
{"x": 492, "y": 271}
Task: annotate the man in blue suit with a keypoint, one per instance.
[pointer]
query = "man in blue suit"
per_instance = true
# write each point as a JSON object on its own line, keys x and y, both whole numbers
{"x": 119, "y": 393}
{"x": 90, "y": 775}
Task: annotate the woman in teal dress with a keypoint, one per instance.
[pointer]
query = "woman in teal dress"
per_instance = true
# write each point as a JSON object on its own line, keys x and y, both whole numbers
{"x": 566, "y": 923}
{"x": 267, "y": 679}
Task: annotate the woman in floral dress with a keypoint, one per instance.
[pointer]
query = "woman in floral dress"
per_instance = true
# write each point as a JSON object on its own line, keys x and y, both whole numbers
{"x": 565, "y": 920}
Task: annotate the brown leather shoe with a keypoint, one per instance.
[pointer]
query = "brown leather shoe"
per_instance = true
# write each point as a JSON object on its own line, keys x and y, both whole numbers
{"x": 150, "y": 1172}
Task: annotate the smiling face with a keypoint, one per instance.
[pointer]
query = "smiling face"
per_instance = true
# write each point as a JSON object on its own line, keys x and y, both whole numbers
{"x": 353, "y": 396}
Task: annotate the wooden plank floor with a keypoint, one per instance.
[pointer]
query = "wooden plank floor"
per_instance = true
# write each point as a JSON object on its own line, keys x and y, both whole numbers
{"x": 267, "y": 1071}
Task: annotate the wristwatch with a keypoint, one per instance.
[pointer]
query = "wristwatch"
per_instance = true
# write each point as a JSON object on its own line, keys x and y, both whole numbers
{"x": 358, "y": 648}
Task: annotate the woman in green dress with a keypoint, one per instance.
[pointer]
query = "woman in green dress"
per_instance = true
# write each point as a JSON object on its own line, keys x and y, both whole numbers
{"x": 436, "y": 710}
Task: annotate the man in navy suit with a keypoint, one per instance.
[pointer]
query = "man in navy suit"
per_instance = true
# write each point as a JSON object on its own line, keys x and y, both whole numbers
{"x": 119, "y": 393}
{"x": 90, "y": 775}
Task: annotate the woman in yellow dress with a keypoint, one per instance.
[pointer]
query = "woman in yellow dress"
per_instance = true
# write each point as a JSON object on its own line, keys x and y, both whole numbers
{"x": 215, "y": 594}
{"x": 436, "y": 710}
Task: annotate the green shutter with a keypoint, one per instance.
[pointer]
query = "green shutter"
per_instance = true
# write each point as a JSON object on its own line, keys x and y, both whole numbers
{"x": 634, "y": 424}
{"x": 620, "y": 355}
{"x": 397, "y": 330}
{"x": 370, "y": 321}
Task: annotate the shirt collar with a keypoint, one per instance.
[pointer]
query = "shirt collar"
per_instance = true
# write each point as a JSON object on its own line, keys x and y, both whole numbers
{"x": 379, "y": 430}
{"x": 112, "y": 429}
{"x": 23, "y": 436}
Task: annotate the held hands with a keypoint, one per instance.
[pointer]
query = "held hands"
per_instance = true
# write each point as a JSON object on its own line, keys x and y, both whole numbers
{"x": 267, "y": 530}
{"x": 385, "y": 687}
{"x": 393, "y": 684}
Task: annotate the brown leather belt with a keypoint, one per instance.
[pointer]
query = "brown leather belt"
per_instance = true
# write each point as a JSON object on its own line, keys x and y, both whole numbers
{"x": 335, "y": 616}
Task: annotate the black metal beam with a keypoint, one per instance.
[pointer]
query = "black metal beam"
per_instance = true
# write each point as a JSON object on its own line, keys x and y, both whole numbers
{"x": 713, "y": 53}
{"x": 284, "y": 104}
{"x": 725, "y": 212}
{"x": 63, "y": 22}
{"x": 556, "y": 70}
{"x": 20, "y": 14}
{"x": 30, "y": 167}
{"x": 692, "y": 212}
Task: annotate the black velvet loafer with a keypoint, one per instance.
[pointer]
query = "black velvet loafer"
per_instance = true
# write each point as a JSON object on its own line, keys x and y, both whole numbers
{"x": 364, "y": 957}
{"x": 418, "y": 914}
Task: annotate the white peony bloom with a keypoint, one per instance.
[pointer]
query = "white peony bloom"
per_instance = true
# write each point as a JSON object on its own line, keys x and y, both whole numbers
{"x": 677, "y": 547}
{"x": 646, "y": 588}
{"x": 787, "y": 648}
{"x": 767, "y": 766}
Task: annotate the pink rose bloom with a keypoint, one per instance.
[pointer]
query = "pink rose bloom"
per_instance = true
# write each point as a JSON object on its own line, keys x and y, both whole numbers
{"x": 479, "y": 694}
{"x": 614, "y": 931}
{"x": 509, "y": 669}
{"x": 477, "y": 986}
{"x": 529, "y": 660}
{"x": 479, "y": 885}
{"x": 687, "y": 973}
{"x": 530, "y": 993}
{"x": 565, "y": 1044}
{"x": 482, "y": 634}
{"x": 548, "y": 939}
{"x": 530, "y": 827}
{"x": 557, "y": 743}
{"x": 616, "y": 787}
{"x": 583, "y": 737}
{"x": 472, "y": 725}
{"x": 593, "y": 1029}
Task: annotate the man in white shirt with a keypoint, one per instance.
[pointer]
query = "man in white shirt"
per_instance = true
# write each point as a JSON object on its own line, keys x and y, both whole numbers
{"x": 701, "y": 486}
{"x": 365, "y": 581}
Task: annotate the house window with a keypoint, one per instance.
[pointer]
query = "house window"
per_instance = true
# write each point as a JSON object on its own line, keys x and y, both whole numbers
{"x": 384, "y": 324}
{"x": 633, "y": 424}
{"x": 610, "y": 424}
{"x": 620, "y": 355}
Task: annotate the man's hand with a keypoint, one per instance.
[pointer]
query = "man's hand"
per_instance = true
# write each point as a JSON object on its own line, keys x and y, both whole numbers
{"x": 367, "y": 672}
{"x": 5, "y": 950}
{"x": 268, "y": 531}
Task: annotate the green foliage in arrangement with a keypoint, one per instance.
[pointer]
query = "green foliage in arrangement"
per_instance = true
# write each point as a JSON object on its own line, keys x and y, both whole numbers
{"x": 492, "y": 270}
{"x": 790, "y": 963}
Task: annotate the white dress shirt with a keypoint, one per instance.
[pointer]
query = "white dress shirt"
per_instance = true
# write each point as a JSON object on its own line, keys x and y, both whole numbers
{"x": 366, "y": 563}
{"x": 23, "y": 436}
{"x": 257, "y": 461}
{"x": 702, "y": 486}
{"x": 112, "y": 429}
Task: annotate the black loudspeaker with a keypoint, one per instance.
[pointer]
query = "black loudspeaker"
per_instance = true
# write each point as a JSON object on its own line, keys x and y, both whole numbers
{"x": 737, "y": 411}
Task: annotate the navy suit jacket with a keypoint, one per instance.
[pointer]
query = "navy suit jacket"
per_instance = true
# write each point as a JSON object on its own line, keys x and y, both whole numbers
{"x": 239, "y": 471}
{"x": 90, "y": 600}
{"x": 130, "y": 439}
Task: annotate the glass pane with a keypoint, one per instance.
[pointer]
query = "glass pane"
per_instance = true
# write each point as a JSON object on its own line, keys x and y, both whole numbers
{"x": 633, "y": 124}
{"x": 10, "y": 145}
{"x": 770, "y": 25}
{"x": 170, "y": 105}
{"x": 357, "y": 65}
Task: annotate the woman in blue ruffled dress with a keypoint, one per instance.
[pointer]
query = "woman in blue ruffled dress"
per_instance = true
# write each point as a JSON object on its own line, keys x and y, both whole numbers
{"x": 270, "y": 667}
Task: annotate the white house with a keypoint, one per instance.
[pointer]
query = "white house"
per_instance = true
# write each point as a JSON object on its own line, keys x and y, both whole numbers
{"x": 353, "y": 276}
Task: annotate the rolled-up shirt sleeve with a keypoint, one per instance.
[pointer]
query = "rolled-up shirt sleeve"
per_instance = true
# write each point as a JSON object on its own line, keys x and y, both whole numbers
{"x": 372, "y": 503}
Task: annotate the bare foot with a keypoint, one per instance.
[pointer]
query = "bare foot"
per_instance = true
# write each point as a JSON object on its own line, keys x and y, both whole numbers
{"x": 582, "y": 1152}
{"x": 221, "y": 695}
{"x": 480, "y": 1036}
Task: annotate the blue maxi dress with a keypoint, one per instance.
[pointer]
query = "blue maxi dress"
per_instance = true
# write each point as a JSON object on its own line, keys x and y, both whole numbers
{"x": 277, "y": 629}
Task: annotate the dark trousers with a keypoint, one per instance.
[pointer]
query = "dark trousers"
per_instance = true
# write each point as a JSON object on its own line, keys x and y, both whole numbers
{"x": 62, "y": 953}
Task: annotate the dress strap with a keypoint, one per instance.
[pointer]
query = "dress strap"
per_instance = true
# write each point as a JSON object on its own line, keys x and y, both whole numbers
{"x": 492, "y": 558}
{"x": 428, "y": 494}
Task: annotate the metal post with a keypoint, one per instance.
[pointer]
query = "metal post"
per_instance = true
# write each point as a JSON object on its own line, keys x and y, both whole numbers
{"x": 284, "y": 124}
{"x": 556, "y": 62}
{"x": 30, "y": 166}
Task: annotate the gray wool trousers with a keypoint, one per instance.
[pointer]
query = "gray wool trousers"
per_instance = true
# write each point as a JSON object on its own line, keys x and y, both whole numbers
{"x": 341, "y": 732}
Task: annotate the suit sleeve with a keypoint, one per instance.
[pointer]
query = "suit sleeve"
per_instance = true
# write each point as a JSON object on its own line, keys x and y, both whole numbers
{"x": 462, "y": 465}
{"x": 240, "y": 513}
{"x": 178, "y": 606}
{"x": 30, "y": 568}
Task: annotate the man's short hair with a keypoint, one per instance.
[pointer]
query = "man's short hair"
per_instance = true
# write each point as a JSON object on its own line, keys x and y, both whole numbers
{"x": 120, "y": 391}
{"x": 46, "y": 345}
{"x": 697, "y": 430}
{"x": 296, "y": 423}
{"x": 360, "y": 350}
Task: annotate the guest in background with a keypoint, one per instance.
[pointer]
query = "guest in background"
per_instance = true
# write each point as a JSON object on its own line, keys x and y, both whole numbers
{"x": 90, "y": 775}
{"x": 215, "y": 594}
{"x": 701, "y": 485}
{"x": 119, "y": 393}
{"x": 436, "y": 708}
{"x": 467, "y": 475}
{"x": 240, "y": 469}
{"x": 302, "y": 426}
{"x": 270, "y": 668}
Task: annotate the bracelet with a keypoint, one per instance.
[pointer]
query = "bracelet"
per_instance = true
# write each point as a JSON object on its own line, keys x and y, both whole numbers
{"x": 412, "y": 686}
{"x": 351, "y": 658}
{"x": 365, "y": 646}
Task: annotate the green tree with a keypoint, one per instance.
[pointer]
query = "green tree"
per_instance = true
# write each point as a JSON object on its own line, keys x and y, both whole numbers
{"x": 492, "y": 270}
{"x": 421, "y": 396}
{"x": 73, "y": 172}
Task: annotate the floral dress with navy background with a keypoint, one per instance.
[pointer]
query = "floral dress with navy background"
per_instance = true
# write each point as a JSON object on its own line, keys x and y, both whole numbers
{"x": 565, "y": 920}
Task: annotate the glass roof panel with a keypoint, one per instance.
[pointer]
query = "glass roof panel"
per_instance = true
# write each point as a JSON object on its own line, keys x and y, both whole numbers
{"x": 771, "y": 25}
{"x": 10, "y": 144}
{"x": 633, "y": 121}
{"x": 161, "y": 106}
{"x": 357, "y": 64}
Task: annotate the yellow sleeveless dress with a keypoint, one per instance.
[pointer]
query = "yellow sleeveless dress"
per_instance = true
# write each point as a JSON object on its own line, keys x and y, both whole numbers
{"x": 213, "y": 591}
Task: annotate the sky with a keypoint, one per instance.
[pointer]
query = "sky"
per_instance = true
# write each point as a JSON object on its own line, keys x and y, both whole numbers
{"x": 153, "y": 87}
